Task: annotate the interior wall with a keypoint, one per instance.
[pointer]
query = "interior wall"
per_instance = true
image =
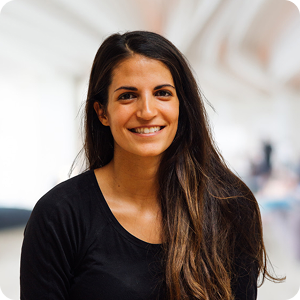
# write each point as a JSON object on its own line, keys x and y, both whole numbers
{"x": 244, "y": 118}
{"x": 38, "y": 129}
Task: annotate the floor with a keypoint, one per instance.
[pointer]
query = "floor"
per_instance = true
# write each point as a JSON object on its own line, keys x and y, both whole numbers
{"x": 284, "y": 263}
{"x": 10, "y": 248}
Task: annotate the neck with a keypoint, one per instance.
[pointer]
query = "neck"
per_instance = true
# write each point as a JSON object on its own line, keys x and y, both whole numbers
{"x": 135, "y": 178}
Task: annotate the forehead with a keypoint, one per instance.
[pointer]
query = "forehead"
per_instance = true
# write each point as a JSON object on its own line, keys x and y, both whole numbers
{"x": 138, "y": 67}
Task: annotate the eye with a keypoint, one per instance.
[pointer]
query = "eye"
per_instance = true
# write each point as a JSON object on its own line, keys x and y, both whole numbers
{"x": 126, "y": 96}
{"x": 163, "y": 93}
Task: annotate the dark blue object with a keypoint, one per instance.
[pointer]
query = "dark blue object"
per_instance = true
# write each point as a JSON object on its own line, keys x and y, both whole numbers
{"x": 13, "y": 217}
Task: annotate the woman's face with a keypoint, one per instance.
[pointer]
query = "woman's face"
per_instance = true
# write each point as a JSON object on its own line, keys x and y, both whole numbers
{"x": 143, "y": 107}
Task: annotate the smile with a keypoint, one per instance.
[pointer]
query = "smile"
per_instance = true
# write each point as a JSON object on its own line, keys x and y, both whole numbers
{"x": 144, "y": 130}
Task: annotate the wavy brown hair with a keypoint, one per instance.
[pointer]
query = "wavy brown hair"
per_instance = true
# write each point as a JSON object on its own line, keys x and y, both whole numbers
{"x": 211, "y": 221}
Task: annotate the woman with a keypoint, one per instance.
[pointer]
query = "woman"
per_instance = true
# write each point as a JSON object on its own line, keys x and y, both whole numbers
{"x": 158, "y": 215}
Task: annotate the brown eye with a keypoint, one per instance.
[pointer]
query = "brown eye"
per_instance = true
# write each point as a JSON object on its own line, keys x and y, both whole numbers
{"x": 163, "y": 93}
{"x": 126, "y": 96}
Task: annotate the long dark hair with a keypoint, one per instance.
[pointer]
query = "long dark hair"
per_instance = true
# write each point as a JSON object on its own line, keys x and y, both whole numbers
{"x": 211, "y": 221}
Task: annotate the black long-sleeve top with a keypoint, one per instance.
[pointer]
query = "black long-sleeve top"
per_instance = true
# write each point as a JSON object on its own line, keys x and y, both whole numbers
{"x": 74, "y": 248}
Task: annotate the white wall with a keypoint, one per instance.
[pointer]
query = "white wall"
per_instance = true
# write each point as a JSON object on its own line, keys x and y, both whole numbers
{"x": 38, "y": 131}
{"x": 245, "y": 117}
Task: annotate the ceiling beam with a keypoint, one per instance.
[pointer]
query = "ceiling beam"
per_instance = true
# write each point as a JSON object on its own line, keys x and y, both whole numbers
{"x": 47, "y": 36}
{"x": 185, "y": 21}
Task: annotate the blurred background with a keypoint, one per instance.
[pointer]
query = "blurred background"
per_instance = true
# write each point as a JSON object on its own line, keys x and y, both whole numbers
{"x": 245, "y": 56}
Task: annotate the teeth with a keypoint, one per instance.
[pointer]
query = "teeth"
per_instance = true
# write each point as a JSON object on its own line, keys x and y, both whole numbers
{"x": 147, "y": 129}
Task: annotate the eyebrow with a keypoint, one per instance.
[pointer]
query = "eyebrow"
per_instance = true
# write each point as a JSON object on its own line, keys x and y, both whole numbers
{"x": 163, "y": 85}
{"x": 132, "y": 88}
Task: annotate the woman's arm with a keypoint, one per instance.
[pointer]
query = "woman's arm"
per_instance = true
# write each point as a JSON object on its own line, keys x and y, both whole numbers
{"x": 47, "y": 251}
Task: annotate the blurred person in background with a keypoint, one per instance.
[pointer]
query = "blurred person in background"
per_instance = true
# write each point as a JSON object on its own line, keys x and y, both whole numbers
{"x": 261, "y": 168}
{"x": 157, "y": 214}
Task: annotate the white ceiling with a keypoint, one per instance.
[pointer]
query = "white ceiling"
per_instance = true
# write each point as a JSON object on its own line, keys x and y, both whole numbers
{"x": 257, "y": 41}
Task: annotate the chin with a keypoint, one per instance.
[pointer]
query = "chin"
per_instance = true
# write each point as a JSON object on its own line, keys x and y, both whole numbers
{"x": 149, "y": 153}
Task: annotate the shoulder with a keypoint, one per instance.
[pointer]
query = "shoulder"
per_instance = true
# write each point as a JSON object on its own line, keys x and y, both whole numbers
{"x": 72, "y": 191}
{"x": 74, "y": 200}
{"x": 74, "y": 185}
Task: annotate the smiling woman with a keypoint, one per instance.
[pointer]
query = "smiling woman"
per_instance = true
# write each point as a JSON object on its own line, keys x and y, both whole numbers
{"x": 157, "y": 215}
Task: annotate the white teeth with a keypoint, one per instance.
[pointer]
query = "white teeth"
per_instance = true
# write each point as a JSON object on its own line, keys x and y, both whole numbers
{"x": 147, "y": 129}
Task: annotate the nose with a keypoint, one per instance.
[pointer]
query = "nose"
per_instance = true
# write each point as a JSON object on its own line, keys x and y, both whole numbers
{"x": 146, "y": 107}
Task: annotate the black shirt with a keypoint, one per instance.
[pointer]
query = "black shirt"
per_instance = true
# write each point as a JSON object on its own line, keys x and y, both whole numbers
{"x": 74, "y": 248}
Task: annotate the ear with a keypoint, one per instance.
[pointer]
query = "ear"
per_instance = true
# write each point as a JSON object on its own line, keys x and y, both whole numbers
{"x": 101, "y": 113}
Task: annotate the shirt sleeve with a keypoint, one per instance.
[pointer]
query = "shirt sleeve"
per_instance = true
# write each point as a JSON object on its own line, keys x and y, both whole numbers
{"x": 48, "y": 251}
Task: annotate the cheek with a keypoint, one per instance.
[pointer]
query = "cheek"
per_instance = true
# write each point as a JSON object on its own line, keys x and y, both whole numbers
{"x": 170, "y": 110}
{"x": 173, "y": 113}
{"x": 118, "y": 118}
